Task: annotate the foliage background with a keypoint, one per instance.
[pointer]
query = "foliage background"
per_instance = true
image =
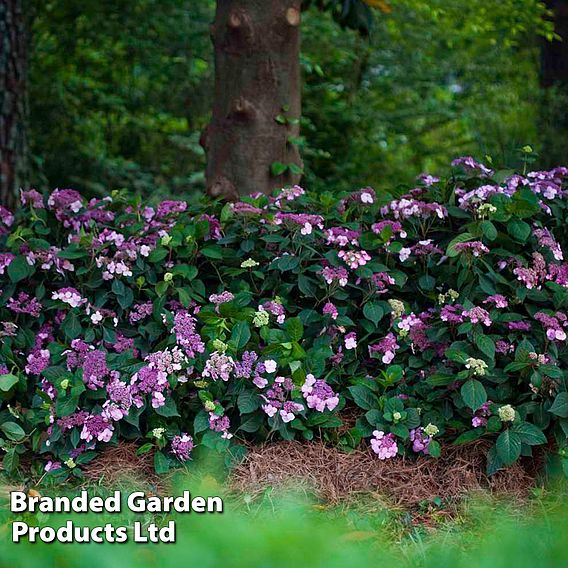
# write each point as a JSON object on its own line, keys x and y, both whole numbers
{"x": 120, "y": 92}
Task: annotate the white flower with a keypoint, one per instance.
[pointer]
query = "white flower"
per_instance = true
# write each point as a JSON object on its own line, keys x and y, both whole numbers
{"x": 97, "y": 317}
{"x": 431, "y": 429}
{"x": 270, "y": 365}
{"x": 158, "y": 433}
{"x": 506, "y": 413}
{"x": 478, "y": 366}
{"x": 404, "y": 254}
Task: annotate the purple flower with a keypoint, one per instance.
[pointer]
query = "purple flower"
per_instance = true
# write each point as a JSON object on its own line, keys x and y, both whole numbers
{"x": 304, "y": 220}
{"x": 32, "y": 198}
{"x": 181, "y": 447}
{"x": 497, "y": 300}
{"x": 350, "y": 341}
{"x": 354, "y": 258}
{"x": 186, "y": 336}
{"x": 335, "y": 275}
{"x": 218, "y": 366}
{"x": 319, "y": 394}
{"x": 475, "y": 248}
{"x": 420, "y": 441}
{"x": 342, "y": 237}
{"x": 553, "y": 325}
{"x": 25, "y": 304}
{"x": 6, "y": 217}
{"x": 37, "y": 361}
{"x": 243, "y": 369}
{"x": 330, "y": 310}
{"x": 95, "y": 369}
{"x": 69, "y": 296}
{"x": 5, "y": 260}
{"x": 478, "y": 315}
{"x": 97, "y": 426}
{"x": 384, "y": 445}
{"x": 387, "y": 347}
{"x": 406, "y": 207}
{"x": 469, "y": 164}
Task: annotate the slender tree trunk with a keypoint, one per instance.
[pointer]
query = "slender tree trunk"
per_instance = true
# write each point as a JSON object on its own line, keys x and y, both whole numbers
{"x": 13, "y": 104}
{"x": 257, "y": 102}
{"x": 555, "y": 53}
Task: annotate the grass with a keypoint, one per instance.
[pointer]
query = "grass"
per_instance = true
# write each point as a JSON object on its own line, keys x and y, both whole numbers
{"x": 276, "y": 529}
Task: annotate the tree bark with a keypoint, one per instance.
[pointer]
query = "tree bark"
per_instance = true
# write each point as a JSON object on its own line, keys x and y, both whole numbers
{"x": 257, "y": 101}
{"x": 13, "y": 103}
{"x": 555, "y": 53}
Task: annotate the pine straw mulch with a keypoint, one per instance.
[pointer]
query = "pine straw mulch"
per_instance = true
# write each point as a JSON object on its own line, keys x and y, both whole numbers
{"x": 120, "y": 464}
{"x": 333, "y": 475}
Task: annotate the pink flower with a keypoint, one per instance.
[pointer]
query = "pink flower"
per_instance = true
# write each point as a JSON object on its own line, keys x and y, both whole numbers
{"x": 330, "y": 310}
{"x": 384, "y": 445}
{"x": 354, "y": 259}
{"x": 351, "y": 341}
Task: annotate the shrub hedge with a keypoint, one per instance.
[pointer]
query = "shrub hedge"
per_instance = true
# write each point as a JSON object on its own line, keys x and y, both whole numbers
{"x": 361, "y": 318}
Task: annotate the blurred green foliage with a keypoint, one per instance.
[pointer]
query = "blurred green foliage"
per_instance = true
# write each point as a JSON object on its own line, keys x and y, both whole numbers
{"x": 288, "y": 531}
{"x": 120, "y": 91}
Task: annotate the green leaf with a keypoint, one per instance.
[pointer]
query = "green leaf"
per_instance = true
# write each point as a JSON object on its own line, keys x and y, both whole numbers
{"x": 489, "y": 230}
{"x": 235, "y": 455}
{"x": 508, "y": 447}
{"x": 519, "y": 230}
{"x": 363, "y": 397}
{"x": 456, "y": 355}
{"x": 294, "y": 328}
{"x": 19, "y": 269}
{"x": 486, "y": 345}
{"x": 278, "y": 168}
{"x": 248, "y": 401}
{"x": 241, "y": 334}
{"x": 214, "y": 251}
{"x": 560, "y": 405}
{"x": 169, "y": 409}
{"x": 158, "y": 254}
{"x": 434, "y": 449}
{"x": 529, "y": 433}
{"x": 469, "y": 436}
{"x": 285, "y": 263}
{"x": 251, "y": 422}
{"x": 161, "y": 463}
{"x": 13, "y": 431}
{"x": 427, "y": 282}
{"x": 463, "y": 238}
{"x": 66, "y": 405}
{"x": 11, "y": 460}
{"x": 7, "y": 382}
{"x": 473, "y": 394}
{"x": 72, "y": 326}
{"x": 494, "y": 463}
{"x": 374, "y": 312}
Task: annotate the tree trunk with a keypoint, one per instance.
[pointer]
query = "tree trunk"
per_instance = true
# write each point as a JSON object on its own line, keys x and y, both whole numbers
{"x": 13, "y": 103}
{"x": 257, "y": 102}
{"x": 555, "y": 53}
{"x": 554, "y": 80}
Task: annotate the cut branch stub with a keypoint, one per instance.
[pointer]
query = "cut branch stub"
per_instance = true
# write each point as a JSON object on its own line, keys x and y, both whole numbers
{"x": 293, "y": 17}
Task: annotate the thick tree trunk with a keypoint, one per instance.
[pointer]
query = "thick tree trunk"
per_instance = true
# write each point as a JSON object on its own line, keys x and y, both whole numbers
{"x": 13, "y": 104}
{"x": 257, "y": 102}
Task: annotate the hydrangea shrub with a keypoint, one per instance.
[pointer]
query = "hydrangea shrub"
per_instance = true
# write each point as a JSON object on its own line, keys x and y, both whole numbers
{"x": 397, "y": 323}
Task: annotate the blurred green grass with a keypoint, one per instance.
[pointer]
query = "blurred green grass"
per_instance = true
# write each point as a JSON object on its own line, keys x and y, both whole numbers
{"x": 289, "y": 530}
